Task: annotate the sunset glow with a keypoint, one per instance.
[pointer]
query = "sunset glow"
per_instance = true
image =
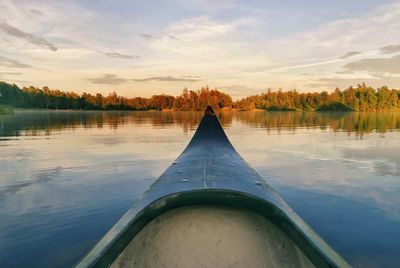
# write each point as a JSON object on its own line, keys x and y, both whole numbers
{"x": 141, "y": 48}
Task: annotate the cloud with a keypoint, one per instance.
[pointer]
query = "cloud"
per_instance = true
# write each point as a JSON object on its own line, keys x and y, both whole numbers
{"x": 333, "y": 82}
{"x": 169, "y": 79}
{"x": 350, "y": 54}
{"x": 376, "y": 65}
{"x": 379, "y": 25}
{"x": 173, "y": 37}
{"x": 147, "y": 37}
{"x": 12, "y": 63}
{"x": 6, "y": 76}
{"x": 240, "y": 91}
{"x": 198, "y": 28}
{"x": 218, "y": 47}
{"x": 150, "y": 37}
{"x": 40, "y": 41}
{"x": 192, "y": 76}
{"x": 238, "y": 88}
{"x": 208, "y": 5}
{"x": 120, "y": 55}
{"x": 36, "y": 12}
{"x": 390, "y": 49}
{"x": 108, "y": 79}
{"x": 344, "y": 72}
{"x": 9, "y": 73}
{"x": 294, "y": 66}
{"x": 384, "y": 162}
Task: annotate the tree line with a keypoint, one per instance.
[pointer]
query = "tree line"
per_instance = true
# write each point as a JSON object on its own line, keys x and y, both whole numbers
{"x": 360, "y": 98}
{"x": 45, "y": 98}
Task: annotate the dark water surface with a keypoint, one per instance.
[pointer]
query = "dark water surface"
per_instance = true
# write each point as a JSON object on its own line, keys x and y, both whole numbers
{"x": 67, "y": 177}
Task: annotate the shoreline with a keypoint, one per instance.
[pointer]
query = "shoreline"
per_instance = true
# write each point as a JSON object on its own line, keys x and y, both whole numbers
{"x": 223, "y": 110}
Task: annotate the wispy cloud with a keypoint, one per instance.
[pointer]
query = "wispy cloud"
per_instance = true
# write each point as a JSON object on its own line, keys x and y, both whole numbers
{"x": 150, "y": 37}
{"x": 7, "y": 75}
{"x": 240, "y": 91}
{"x": 350, "y": 54}
{"x": 120, "y": 55}
{"x": 294, "y": 66}
{"x": 12, "y": 63}
{"x": 333, "y": 82}
{"x": 208, "y": 5}
{"x": 36, "y": 12}
{"x": 192, "y": 76}
{"x": 10, "y": 73}
{"x": 108, "y": 79}
{"x": 329, "y": 38}
{"x": 147, "y": 37}
{"x": 198, "y": 28}
{"x": 238, "y": 88}
{"x": 390, "y": 49}
{"x": 169, "y": 79}
{"x": 36, "y": 40}
{"x": 376, "y": 65}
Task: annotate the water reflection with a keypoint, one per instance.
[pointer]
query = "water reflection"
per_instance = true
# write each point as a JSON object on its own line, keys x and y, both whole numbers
{"x": 48, "y": 122}
{"x": 384, "y": 162}
{"x": 42, "y": 176}
{"x": 66, "y": 177}
{"x": 358, "y": 122}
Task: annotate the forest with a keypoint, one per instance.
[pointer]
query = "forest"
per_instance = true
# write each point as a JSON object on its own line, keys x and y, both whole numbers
{"x": 360, "y": 98}
{"x": 45, "y": 98}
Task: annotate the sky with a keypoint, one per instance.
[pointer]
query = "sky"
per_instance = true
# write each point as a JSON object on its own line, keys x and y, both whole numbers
{"x": 142, "y": 48}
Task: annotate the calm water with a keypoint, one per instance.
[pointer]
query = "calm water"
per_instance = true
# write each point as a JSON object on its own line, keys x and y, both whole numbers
{"x": 67, "y": 177}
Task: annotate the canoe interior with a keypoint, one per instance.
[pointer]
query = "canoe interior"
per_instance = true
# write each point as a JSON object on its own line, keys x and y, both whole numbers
{"x": 211, "y": 172}
{"x": 211, "y": 236}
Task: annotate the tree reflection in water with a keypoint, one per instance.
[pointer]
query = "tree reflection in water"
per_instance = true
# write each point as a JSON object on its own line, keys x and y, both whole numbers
{"x": 35, "y": 123}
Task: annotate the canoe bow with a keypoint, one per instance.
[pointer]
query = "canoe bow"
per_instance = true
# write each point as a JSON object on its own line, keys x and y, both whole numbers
{"x": 210, "y": 171}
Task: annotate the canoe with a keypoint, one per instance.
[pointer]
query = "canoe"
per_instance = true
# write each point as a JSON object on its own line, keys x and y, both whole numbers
{"x": 211, "y": 209}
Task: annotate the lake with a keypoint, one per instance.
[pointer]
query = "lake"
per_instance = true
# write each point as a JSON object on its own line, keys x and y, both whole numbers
{"x": 67, "y": 177}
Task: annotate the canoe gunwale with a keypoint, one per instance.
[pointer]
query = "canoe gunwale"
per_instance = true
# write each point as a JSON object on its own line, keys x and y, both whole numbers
{"x": 226, "y": 197}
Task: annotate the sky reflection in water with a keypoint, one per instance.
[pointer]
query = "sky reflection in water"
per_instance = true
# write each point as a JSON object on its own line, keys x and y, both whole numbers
{"x": 67, "y": 177}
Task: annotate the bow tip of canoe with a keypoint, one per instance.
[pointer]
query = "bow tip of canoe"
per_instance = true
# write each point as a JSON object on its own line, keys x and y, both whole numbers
{"x": 209, "y": 111}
